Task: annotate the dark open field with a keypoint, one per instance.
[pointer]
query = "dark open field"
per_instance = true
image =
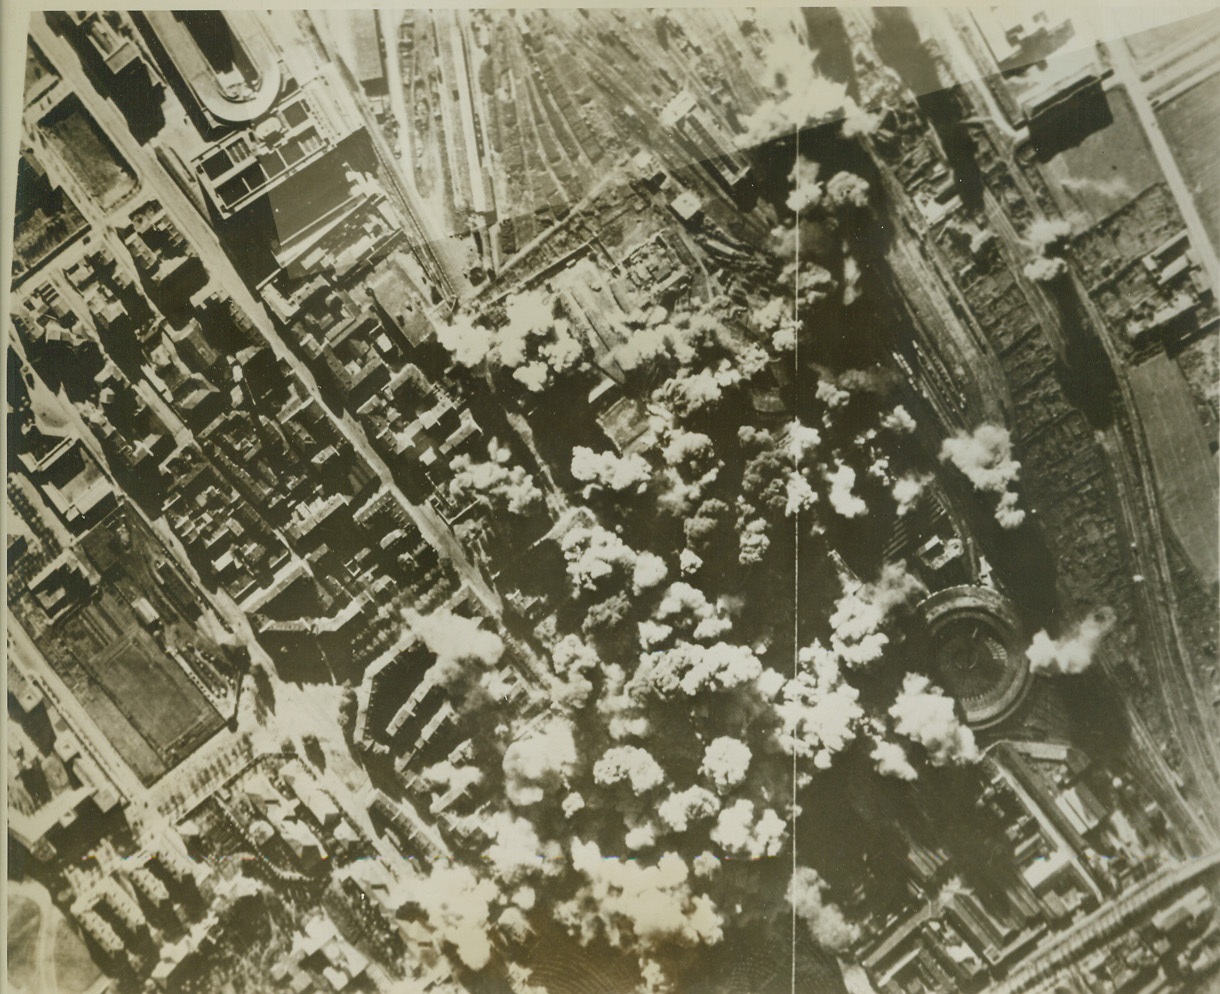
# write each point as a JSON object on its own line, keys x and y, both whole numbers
{"x": 23, "y": 923}
{"x": 87, "y": 152}
{"x": 140, "y": 696}
{"x": 1148, "y": 46}
{"x": 46, "y": 219}
{"x": 37, "y": 69}
{"x": 1185, "y": 469}
{"x": 149, "y": 709}
{"x": 1109, "y": 167}
{"x": 75, "y": 971}
{"x": 1191, "y": 122}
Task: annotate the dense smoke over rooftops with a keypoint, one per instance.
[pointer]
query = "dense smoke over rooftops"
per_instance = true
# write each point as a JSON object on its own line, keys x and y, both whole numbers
{"x": 1074, "y": 652}
{"x": 926, "y": 716}
{"x": 826, "y": 923}
{"x": 802, "y": 96}
{"x": 497, "y": 479}
{"x": 985, "y": 457}
{"x": 455, "y": 640}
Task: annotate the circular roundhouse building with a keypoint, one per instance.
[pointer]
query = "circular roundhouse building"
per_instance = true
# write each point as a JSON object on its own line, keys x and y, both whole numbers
{"x": 978, "y": 651}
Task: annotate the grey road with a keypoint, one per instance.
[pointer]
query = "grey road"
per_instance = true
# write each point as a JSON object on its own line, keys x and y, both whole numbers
{"x": 160, "y": 184}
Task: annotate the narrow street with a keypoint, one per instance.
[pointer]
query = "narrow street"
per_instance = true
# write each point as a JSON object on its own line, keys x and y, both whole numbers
{"x": 223, "y": 275}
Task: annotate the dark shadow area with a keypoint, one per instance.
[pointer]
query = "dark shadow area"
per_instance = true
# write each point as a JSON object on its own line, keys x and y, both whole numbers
{"x": 828, "y": 38}
{"x": 759, "y": 959}
{"x": 900, "y": 46}
{"x": 46, "y": 220}
{"x": 1086, "y": 374}
{"x": 1095, "y": 715}
{"x": 1069, "y": 119}
{"x": 138, "y": 95}
{"x": 169, "y": 70}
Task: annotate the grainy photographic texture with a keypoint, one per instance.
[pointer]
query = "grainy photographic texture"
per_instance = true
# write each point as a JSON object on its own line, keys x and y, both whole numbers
{"x": 614, "y": 502}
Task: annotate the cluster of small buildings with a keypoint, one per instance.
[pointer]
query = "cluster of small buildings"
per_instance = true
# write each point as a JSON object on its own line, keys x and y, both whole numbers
{"x": 706, "y": 141}
{"x": 1176, "y": 298}
{"x": 166, "y": 261}
{"x": 53, "y": 779}
{"x": 127, "y": 903}
{"x": 1176, "y": 946}
{"x": 1056, "y": 826}
{"x": 71, "y": 482}
{"x": 297, "y": 829}
{"x": 320, "y": 961}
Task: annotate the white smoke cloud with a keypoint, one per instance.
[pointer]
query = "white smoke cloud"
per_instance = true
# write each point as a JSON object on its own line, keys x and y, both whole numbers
{"x": 753, "y": 541}
{"x": 534, "y": 376}
{"x": 653, "y": 634}
{"x": 694, "y": 668}
{"x": 831, "y": 395}
{"x": 531, "y": 342}
{"x": 806, "y": 894}
{"x": 563, "y": 350}
{"x": 706, "y": 864}
{"x": 899, "y": 420}
{"x": 455, "y": 640}
{"x": 842, "y": 497}
{"x": 810, "y": 282}
{"x": 543, "y": 758}
{"x": 819, "y": 711}
{"x": 689, "y": 390}
{"x": 1048, "y": 234}
{"x": 1007, "y": 513}
{"x": 985, "y": 457}
{"x": 515, "y": 852}
{"x": 468, "y": 343}
{"x": 1045, "y": 268}
{"x": 685, "y": 337}
{"x": 494, "y": 478}
{"x": 847, "y": 189}
{"x": 572, "y": 659}
{"x": 631, "y": 764}
{"x": 690, "y": 604}
{"x": 891, "y": 760}
{"x": 682, "y": 808}
{"x": 1116, "y": 189}
{"x": 650, "y": 570}
{"x": 691, "y": 467}
{"x": 1074, "y": 652}
{"x": 802, "y": 441}
{"x": 906, "y": 492}
{"x": 801, "y": 97}
{"x": 775, "y": 318}
{"x": 689, "y": 562}
{"x": 447, "y": 775}
{"x": 642, "y": 345}
{"x": 636, "y": 905}
{"x": 620, "y": 707}
{"x": 529, "y": 314}
{"x": 800, "y": 494}
{"x": 806, "y": 190}
{"x": 593, "y": 554}
{"x": 457, "y": 905}
{"x": 925, "y": 715}
{"x": 641, "y": 837}
{"x": 614, "y": 472}
{"x": 725, "y": 763}
{"x": 739, "y": 834}
{"x": 863, "y": 609}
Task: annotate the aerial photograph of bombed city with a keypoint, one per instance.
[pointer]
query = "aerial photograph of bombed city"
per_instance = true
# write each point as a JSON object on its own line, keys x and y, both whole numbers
{"x": 614, "y": 501}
